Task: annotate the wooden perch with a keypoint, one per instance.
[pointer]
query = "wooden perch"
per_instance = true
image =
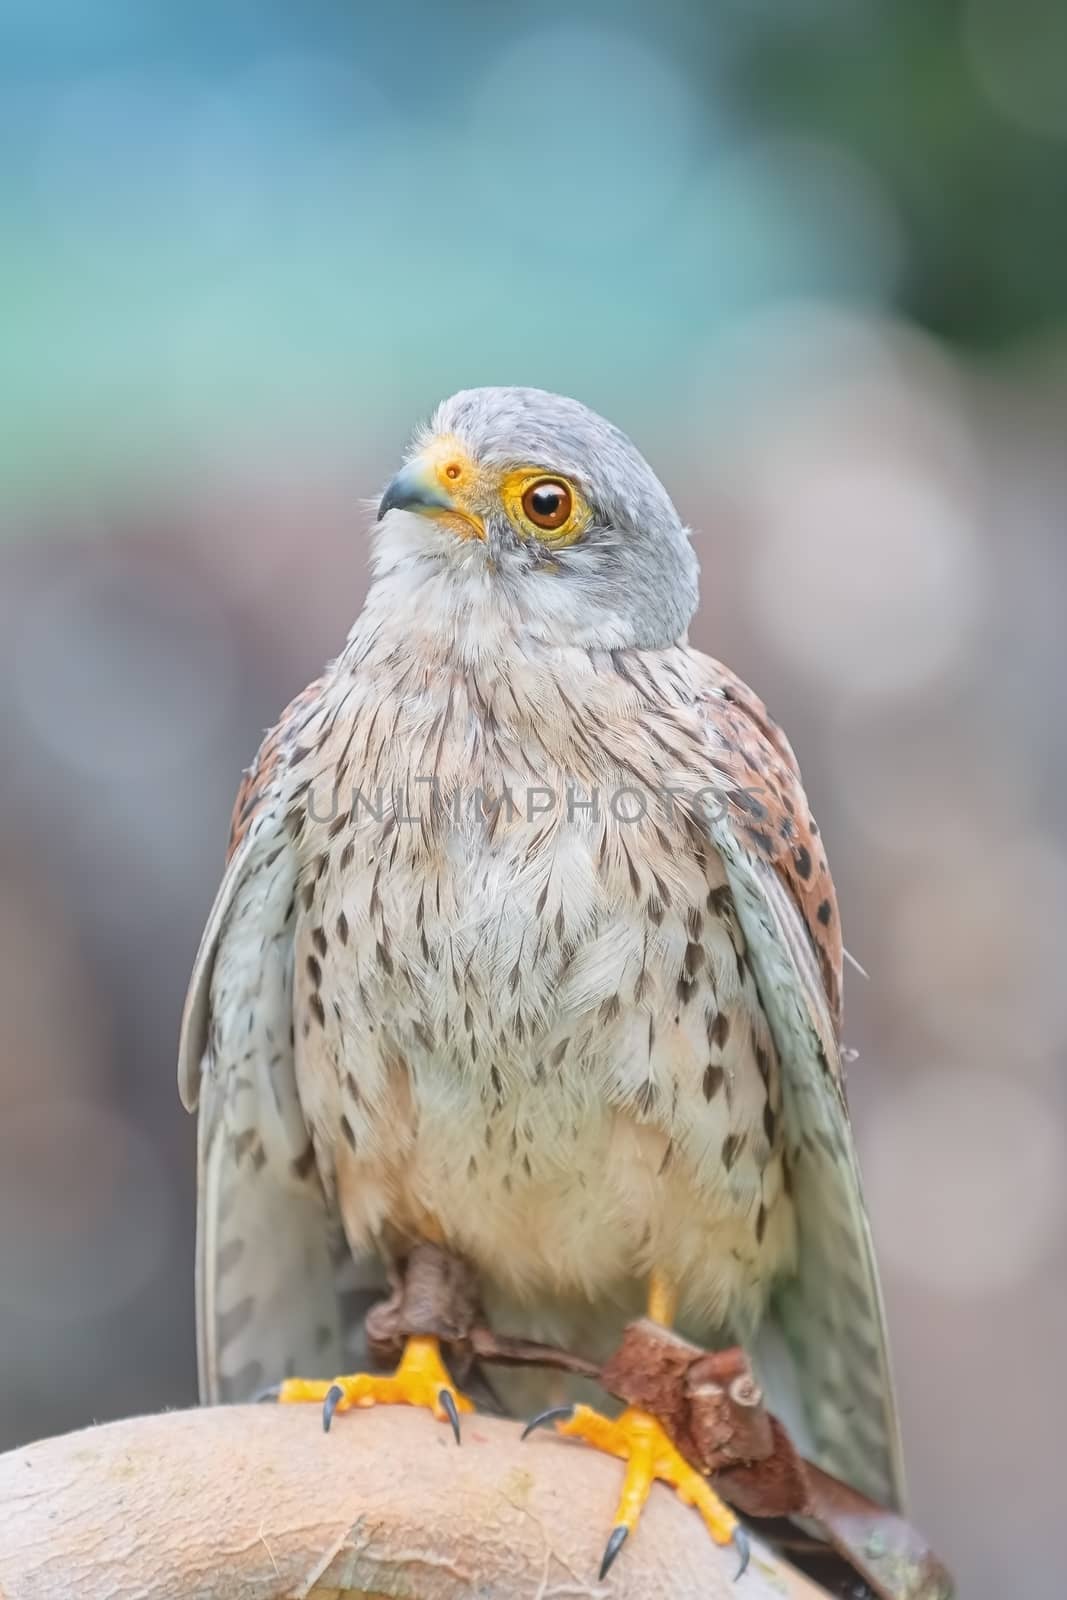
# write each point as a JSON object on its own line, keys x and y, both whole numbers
{"x": 256, "y": 1503}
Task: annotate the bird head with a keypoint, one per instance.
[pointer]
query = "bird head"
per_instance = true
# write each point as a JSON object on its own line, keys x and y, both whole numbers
{"x": 547, "y": 499}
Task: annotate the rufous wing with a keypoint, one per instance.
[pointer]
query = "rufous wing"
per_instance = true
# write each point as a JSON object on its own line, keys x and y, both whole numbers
{"x": 830, "y": 1315}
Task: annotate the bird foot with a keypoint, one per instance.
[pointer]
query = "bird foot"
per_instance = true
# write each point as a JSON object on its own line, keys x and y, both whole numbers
{"x": 421, "y": 1379}
{"x": 639, "y": 1440}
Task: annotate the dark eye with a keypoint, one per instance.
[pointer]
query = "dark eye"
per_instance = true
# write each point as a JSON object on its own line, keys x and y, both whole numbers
{"x": 547, "y": 503}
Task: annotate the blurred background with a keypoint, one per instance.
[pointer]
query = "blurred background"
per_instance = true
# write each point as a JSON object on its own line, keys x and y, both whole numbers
{"x": 814, "y": 258}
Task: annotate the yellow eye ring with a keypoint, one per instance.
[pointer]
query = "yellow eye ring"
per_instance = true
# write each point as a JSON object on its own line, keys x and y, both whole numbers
{"x": 545, "y": 505}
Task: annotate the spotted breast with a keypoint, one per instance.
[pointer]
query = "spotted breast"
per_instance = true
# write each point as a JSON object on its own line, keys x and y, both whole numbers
{"x": 524, "y": 1018}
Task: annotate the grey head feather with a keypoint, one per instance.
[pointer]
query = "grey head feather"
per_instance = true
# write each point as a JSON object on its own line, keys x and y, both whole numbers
{"x": 636, "y": 563}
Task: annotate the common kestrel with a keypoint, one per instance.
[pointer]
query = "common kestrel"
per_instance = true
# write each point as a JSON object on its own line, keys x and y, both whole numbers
{"x": 527, "y": 945}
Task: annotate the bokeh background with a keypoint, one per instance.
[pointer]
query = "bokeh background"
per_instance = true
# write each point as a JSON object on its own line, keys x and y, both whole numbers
{"x": 814, "y": 258}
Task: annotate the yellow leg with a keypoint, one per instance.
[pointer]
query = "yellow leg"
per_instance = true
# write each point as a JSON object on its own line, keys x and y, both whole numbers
{"x": 637, "y": 1438}
{"x": 662, "y": 1299}
{"x": 421, "y": 1379}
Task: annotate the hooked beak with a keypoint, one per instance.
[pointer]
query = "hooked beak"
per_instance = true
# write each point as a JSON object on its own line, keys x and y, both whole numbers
{"x": 417, "y": 487}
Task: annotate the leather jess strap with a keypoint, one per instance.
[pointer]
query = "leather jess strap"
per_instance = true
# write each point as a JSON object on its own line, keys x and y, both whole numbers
{"x": 711, "y": 1405}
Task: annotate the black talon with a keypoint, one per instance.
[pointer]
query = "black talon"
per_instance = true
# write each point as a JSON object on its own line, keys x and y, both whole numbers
{"x": 449, "y": 1404}
{"x": 546, "y": 1416}
{"x": 743, "y": 1546}
{"x": 334, "y": 1395}
{"x": 271, "y": 1392}
{"x": 614, "y": 1545}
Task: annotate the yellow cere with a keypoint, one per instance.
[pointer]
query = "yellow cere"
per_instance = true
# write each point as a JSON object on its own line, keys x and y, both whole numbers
{"x": 461, "y": 481}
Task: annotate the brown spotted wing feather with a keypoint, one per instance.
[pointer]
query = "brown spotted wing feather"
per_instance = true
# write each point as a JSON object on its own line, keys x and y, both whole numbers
{"x": 259, "y": 782}
{"x": 831, "y": 1313}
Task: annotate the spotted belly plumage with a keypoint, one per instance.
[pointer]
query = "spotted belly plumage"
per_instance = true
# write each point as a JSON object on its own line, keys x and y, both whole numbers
{"x": 525, "y": 1023}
